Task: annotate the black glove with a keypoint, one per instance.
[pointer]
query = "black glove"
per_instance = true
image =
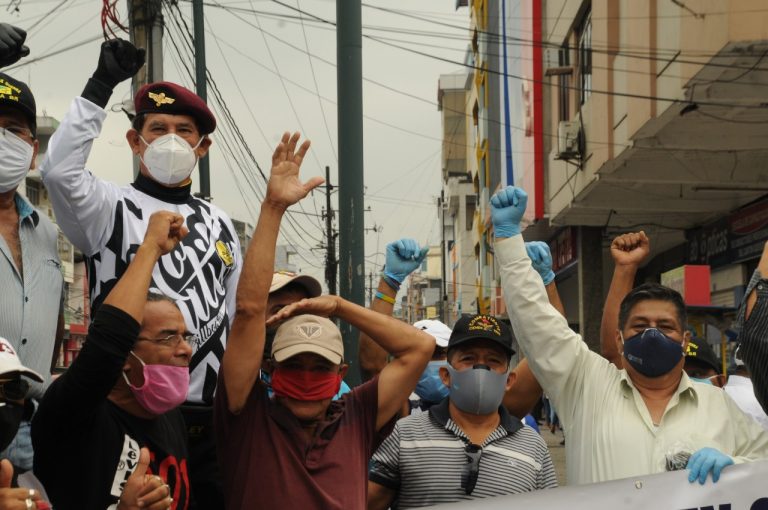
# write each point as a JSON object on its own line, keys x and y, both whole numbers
{"x": 118, "y": 61}
{"x": 12, "y": 44}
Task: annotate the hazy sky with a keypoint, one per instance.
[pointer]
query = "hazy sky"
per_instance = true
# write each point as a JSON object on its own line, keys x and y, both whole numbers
{"x": 257, "y": 52}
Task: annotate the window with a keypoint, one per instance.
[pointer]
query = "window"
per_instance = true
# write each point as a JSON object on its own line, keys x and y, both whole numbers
{"x": 469, "y": 211}
{"x": 585, "y": 57}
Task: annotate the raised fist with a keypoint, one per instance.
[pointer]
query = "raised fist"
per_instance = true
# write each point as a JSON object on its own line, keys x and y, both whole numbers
{"x": 630, "y": 249}
{"x": 403, "y": 258}
{"x": 118, "y": 61}
{"x": 541, "y": 259}
{"x": 12, "y": 44}
{"x": 507, "y": 209}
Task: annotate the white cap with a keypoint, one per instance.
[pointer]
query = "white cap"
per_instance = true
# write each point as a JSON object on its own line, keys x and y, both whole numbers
{"x": 437, "y": 329}
{"x": 10, "y": 363}
{"x": 282, "y": 278}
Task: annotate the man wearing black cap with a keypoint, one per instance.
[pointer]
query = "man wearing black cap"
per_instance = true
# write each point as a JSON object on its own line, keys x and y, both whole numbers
{"x": 702, "y": 365}
{"x": 30, "y": 304}
{"x": 107, "y": 222}
{"x": 461, "y": 448}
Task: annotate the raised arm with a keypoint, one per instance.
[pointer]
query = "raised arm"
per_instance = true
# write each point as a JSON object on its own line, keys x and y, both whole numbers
{"x": 410, "y": 347}
{"x": 403, "y": 257}
{"x": 557, "y": 356}
{"x": 92, "y": 375}
{"x": 84, "y": 204}
{"x": 245, "y": 345}
{"x": 164, "y": 232}
{"x": 628, "y": 252}
{"x": 526, "y": 391}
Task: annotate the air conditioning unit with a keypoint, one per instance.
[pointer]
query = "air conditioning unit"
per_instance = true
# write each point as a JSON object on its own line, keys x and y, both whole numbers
{"x": 568, "y": 138}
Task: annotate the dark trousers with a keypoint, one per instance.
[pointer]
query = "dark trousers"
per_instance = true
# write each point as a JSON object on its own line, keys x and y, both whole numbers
{"x": 204, "y": 476}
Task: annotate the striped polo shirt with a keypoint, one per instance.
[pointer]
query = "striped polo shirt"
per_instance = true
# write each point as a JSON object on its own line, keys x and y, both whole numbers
{"x": 422, "y": 460}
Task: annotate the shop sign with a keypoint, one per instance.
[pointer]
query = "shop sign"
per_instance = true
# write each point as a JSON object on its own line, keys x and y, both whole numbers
{"x": 735, "y": 238}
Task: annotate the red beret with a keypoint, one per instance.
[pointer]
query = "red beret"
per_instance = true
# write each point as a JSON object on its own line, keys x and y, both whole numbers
{"x": 167, "y": 97}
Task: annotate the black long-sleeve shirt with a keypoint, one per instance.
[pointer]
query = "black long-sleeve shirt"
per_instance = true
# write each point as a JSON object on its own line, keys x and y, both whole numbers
{"x": 85, "y": 446}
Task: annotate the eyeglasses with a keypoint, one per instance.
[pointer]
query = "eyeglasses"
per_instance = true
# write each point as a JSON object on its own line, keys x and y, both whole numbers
{"x": 19, "y": 131}
{"x": 169, "y": 341}
{"x": 15, "y": 389}
{"x": 472, "y": 467}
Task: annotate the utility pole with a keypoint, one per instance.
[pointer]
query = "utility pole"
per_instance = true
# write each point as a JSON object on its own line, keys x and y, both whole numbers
{"x": 201, "y": 89}
{"x": 349, "y": 72}
{"x": 330, "y": 237}
{"x": 443, "y": 258}
{"x": 145, "y": 29}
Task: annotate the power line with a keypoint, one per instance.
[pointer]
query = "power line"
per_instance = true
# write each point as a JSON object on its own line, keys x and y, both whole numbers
{"x": 413, "y": 96}
{"x": 53, "y": 53}
{"x": 317, "y": 88}
{"x": 229, "y": 120}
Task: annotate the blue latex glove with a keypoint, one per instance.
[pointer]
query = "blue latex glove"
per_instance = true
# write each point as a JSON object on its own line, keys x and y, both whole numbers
{"x": 541, "y": 258}
{"x": 403, "y": 258}
{"x": 507, "y": 208}
{"x": 704, "y": 461}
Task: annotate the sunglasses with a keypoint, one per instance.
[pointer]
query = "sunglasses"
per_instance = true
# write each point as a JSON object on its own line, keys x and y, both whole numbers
{"x": 15, "y": 389}
{"x": 471, "y": 468}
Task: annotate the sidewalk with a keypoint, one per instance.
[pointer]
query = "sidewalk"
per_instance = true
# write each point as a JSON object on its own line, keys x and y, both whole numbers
{"x": 556, "y": 450}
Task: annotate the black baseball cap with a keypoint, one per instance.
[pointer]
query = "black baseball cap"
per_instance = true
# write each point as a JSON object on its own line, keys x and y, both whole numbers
{"x": 475, "y": 327}
{"x": 17, "y": 95}
{"x": 700, "y": 350}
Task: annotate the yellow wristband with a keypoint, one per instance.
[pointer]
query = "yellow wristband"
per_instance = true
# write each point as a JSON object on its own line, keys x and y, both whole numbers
{"x": 384, "y": 297}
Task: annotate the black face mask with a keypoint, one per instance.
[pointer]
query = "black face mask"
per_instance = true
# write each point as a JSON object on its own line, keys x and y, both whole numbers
{"x": 10, "y": 418}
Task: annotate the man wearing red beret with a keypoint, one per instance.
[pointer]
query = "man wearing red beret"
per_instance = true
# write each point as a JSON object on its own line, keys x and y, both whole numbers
{"x": 107, "y": 223}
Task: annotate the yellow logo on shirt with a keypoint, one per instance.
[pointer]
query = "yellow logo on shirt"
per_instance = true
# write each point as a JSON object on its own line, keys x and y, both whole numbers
{"x": 224, "y": 254}
{"x": 161, "y": 99}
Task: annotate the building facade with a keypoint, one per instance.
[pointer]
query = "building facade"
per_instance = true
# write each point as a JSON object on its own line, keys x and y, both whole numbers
{"x": 619, "y": 116}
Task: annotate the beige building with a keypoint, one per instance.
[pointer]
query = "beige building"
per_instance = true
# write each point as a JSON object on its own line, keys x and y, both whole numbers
{"x": 456, "y": 98}
{"x": 624, "y": 115}
{"x": 655, "y": 118}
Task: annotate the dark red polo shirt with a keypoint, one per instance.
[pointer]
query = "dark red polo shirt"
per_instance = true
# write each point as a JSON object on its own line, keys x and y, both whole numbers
{"x": 267, "y": 461}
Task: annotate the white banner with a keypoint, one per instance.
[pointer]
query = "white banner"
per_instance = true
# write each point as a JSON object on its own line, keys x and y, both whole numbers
{"x": 741, "y": 487}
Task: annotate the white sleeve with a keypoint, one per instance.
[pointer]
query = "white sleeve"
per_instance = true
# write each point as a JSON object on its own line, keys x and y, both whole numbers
{"x": 84, "y": 205}
{"x": 560, "y": 360}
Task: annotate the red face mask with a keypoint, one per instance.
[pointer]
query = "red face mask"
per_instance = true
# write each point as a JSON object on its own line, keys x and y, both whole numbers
{"x": 305, "y": 385}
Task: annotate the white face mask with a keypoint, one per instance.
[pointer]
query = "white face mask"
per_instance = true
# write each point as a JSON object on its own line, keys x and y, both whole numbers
{"x": 15, "y": 160}
{"x": 170, "y": 159}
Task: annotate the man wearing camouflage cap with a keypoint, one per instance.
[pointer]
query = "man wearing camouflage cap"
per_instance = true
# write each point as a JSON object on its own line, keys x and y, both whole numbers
{"x": 107, "y": 223}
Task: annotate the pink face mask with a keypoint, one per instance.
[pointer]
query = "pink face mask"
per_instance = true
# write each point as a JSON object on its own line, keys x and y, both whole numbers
{"x": 165, "y": 387}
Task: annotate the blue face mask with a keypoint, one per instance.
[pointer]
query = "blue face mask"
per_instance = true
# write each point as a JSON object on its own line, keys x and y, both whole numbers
{"x": 652, "y": 353}
{"x": 705, "y": 381}
{"x": 430, "y": 387}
